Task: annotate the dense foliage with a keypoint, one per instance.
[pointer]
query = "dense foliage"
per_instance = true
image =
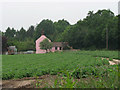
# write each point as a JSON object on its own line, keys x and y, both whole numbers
{"x": 89, "y": 33}
{"x": 45, "y": 45}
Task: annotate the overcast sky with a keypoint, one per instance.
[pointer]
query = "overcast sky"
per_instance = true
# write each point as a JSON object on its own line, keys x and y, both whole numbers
{"x": 22, "y": 13}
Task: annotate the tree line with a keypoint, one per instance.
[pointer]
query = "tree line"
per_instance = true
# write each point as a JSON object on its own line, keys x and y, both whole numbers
{"x": 88, "y": 34}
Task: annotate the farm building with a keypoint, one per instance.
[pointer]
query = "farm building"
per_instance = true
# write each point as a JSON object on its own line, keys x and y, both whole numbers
{"x": 12, "y": 50}
{"x": 57, "y": 46}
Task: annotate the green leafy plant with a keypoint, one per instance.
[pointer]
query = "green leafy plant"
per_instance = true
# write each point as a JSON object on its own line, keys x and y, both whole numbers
{"x": 46, "y": 44}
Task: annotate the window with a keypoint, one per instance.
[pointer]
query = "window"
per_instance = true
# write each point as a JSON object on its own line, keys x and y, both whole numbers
{"x": 60, "y": 48}
{"x": 55, "y": 48}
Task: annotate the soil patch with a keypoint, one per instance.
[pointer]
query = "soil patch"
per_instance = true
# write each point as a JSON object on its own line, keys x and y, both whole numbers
{"x": 113, "y": 62}
{"x": 29, "y": 82}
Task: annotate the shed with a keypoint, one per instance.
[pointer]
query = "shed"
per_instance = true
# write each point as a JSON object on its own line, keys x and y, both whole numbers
{"x": 12, "y": 50}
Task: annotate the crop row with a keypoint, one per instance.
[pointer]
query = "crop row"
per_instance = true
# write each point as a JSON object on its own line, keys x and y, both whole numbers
{"x": 19, "y": 66}
{"x": 106, "y": 54}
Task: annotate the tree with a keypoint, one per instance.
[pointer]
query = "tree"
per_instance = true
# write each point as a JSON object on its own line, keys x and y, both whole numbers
{"x": 4, "y": 44}
{"x": 30, "y": 32}
{"x": 46, "y": 45}
{"x": 60, "y": 26}
{"x": 47, "y": 26}
{"x": 21, "y": 35}
{"x": 91, "y": 31}
{"x": 10, "y": 33}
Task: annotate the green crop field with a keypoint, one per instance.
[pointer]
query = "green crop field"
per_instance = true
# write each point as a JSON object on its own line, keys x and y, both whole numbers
{"x": 84, "y": 65}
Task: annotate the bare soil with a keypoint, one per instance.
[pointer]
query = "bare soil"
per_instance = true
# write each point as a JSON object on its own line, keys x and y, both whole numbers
{"x": 29, "y": 82}
{"x": 113, "y": 62}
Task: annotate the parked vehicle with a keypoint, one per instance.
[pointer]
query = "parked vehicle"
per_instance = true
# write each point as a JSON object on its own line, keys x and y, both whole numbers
{"x": 30, "y": 52}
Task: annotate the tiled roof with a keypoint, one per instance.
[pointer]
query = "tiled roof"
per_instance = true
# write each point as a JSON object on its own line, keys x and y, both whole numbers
{"x": 59, "y": 44}
{"x": 11, "y": 47}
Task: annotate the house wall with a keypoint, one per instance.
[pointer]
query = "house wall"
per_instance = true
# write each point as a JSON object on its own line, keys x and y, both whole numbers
{"x": 38, "y": 50}
{"x": 58, "y": 48}
{"x": 53, "y": 49}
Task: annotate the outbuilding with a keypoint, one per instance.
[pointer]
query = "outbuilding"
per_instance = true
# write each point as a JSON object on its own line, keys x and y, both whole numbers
{"x": 12, "y": 50}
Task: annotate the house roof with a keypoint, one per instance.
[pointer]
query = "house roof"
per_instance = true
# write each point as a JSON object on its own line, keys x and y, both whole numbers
{"x": 59, "y": 44}
{"x": 11, "y": 47}
{"x": 41, "y": 38}
{"x": 55, "y": 44}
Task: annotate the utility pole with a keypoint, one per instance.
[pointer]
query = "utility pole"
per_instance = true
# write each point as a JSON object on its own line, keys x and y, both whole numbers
{"x": 106, "y": 37}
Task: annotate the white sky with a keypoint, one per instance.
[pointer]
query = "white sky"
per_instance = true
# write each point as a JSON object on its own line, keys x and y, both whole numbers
{"x": 23, "y": 13}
